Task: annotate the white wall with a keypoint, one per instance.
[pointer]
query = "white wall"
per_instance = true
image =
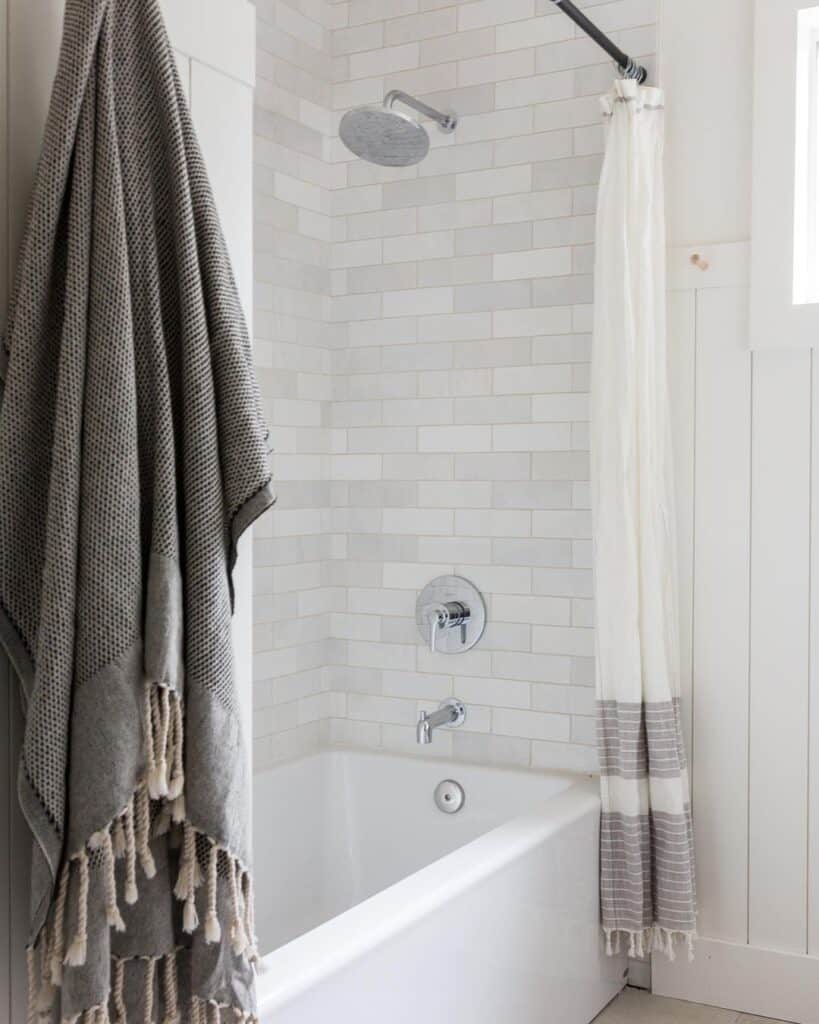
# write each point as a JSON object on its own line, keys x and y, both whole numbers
{"x": 746, "y": 427}
{"x": 215, "y": 46}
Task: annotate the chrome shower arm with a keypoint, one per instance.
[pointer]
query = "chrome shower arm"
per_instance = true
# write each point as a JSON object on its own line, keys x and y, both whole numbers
{"x": 448, "y": 122}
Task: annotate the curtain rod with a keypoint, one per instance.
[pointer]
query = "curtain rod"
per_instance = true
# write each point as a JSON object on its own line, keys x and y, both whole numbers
{"x": 628, "y": 67}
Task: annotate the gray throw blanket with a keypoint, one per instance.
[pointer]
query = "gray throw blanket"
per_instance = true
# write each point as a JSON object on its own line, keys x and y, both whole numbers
{"x": 132, "y": 457}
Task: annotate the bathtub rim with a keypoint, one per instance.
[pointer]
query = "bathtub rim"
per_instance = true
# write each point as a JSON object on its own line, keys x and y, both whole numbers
{"x": 288, "y": 971}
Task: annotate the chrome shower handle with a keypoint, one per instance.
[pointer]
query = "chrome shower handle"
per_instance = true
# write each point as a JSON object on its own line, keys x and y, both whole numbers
{"x": 446, "y": 616}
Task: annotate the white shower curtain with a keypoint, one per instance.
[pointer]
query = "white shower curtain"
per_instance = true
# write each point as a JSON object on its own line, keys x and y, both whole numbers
{"x": 647, "y": 856}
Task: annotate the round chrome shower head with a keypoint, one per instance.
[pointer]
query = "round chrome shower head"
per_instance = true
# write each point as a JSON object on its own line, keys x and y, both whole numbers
{"x": 384, "y": 136}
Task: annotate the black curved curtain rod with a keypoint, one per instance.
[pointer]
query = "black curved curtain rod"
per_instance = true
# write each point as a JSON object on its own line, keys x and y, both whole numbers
{"x": 628, "y": 67}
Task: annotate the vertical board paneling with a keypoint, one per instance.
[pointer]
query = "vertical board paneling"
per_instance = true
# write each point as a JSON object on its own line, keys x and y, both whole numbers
{"x": 682, "y": 341}
{"x": 813, "y": 767}
{"x": 780, "y": 581}
{"x": 721, "y": 597}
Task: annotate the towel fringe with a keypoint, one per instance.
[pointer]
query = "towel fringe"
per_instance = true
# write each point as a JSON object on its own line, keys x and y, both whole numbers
{"x": 656, "y": 939}
{"x": 128, "y": 838}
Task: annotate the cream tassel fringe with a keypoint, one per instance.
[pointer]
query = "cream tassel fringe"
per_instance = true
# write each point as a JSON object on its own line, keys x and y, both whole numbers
{"x": 119, "y": 992}
{"x": 75, "y": 957}
{"x": 128, "y": 837}
{"x": 150, "y": 972}
{"x": 653, "y": 939}
{"x": 213, "y": 931}
{"x": 170, "y": 991}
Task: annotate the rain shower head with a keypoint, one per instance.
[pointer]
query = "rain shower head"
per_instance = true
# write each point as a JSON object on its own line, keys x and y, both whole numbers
{"x": 388, "y": 137}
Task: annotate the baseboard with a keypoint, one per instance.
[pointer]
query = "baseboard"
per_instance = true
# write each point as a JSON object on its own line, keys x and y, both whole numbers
{"x": 763, "y": 982}
{"x": 639, "y": 974}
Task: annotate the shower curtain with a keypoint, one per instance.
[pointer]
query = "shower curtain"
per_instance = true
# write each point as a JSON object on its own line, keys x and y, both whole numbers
{"x": 646, "y": 842}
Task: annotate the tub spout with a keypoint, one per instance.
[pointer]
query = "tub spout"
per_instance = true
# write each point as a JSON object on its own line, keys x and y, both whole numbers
{"x": 450, "y": 714}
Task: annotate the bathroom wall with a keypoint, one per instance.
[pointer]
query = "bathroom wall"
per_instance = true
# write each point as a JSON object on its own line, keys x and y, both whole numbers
{"x": 293, "y": 233}
{"x": 461, "y": 292}
{"x": 748, "y": 470}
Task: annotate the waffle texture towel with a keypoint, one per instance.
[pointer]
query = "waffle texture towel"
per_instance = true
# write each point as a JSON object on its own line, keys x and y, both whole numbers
{"x": 132, "y": 456}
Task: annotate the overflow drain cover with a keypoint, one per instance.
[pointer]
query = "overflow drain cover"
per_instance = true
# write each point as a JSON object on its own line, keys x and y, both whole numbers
{"x": 449, "y": 796}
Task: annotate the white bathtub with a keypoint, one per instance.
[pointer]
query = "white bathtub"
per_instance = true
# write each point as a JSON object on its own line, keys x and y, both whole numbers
{"x": 374, "y": 907}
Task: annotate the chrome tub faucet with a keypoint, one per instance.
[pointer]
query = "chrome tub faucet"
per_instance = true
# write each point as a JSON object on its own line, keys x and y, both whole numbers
{"x": 449, "y": 715}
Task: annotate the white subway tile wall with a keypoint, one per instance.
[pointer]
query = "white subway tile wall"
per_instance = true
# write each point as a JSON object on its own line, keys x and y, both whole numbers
{"x": 423, "y": 340}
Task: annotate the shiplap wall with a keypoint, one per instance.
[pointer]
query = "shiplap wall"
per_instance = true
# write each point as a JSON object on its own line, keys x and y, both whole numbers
{"x": 215, "y": 49}
{"x": 747, "y": 451}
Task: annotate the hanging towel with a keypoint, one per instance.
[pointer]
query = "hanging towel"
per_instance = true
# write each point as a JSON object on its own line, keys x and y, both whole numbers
{"x": 646, "y": 847}
{"x": 132, "y": 457}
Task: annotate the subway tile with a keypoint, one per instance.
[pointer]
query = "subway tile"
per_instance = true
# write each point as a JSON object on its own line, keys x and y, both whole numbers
{"x": 492, "y": 12}
{"x": 521, "y": 92}
{"x": 475, "y": 354}
{"x": 500, "y": 124}
{"x": 544, "y": 320}
{"x": 418, "y": 301}
{"x": 530, "y": 724}
{"x": 492, "y": 523}
{"x": 493, "y": 409}
{"x": 425, "y": 246}
{"x": 534, "y": 32}
{"x": 454, "y": 494}
{"x": 458, "y": 271}
{"x": 538, "y": 668}
{"x": 532, "y": 206}
{"x": 420, "y": 26}
{"x": 506, "y": 693}
{"x": 534, "y": 263}
{"x": 455, "y": 439}
{"x": 418, "y": 192}
{"x": 493, "y": 295}
{"x": 363, "y": 11}
{"x": 531, "y": 148}
{"x": 508, "y": 466}
{"x": 532, "y": 380}
{"x": 419, "y": 521}
{"x": 446, "y": 215}
{"x": 563, "y": 640}
{"x": 455, "y": 327}
{"x": 549, "y": 611}
{"x": 445, "y": 383}
{"x": 530, "y": 437}
{"x": 560, "y": 408}
{"x": 458, "y": 46}
{"x": 496, "y": 67}
{"x": 416, "y": 411}
{"x": 495, "y": 239}
{"x": 381, "y": 224}
{"x": 562, "y": 523}
{"x": 533, "y": 552}
{"x": 402, "y": 466}
{"x": 563, "y": 582}
{"x": 578, "y": 170}
{"x": 493, "y": 182}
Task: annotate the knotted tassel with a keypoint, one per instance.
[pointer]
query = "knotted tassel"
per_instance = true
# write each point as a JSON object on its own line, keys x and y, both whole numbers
{"x": 185, "y": 888}
{"x": 143, "y": 832}
{"x": 196, "y": 1011}
{"x": 213, "y": 931}
{"x": 250, "y": 918}
{"x": 162, "y": 720}
{"x": 177, "y": 780}
{"x": 47, "y": 992}
{"x": 170, "y": 990}
{"x": 131, "y": 892}
{"x": 118, "y": 839}
{"x": 59, "y": 927}
{"x": 112, "y": 914}
{"x": 150, "y": 970}
{"x": 75, "y": 957}
{"x": 238, "y": 935}
{"x": 119, "y": 992}
{"x": 148, "y": 700}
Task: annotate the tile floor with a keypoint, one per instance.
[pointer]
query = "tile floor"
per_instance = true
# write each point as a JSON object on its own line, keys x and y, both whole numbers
{"x": 634, "y": 1006}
